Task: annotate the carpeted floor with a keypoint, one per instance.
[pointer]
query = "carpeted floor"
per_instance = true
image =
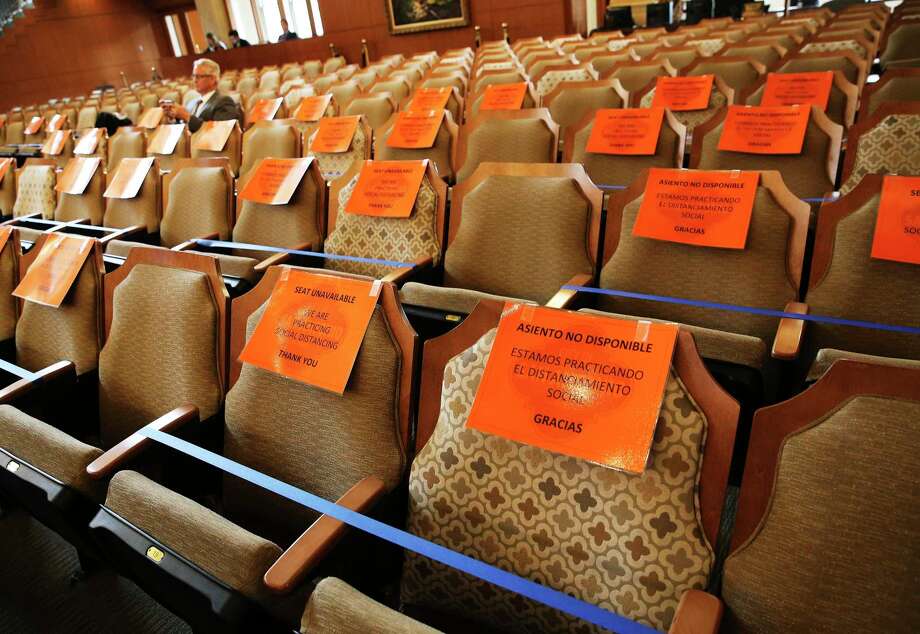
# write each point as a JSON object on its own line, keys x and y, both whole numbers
{"x": 36, "y": 595}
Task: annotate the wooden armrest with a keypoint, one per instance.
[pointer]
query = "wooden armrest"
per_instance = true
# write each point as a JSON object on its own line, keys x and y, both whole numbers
{"x": 316, "y": 542}
{"x": 114, "y": 458}
{"x": 280, "y": 258}
{"x": 60, "y": 371}
{"x": 398, "y": 276}
{"x": 189, "y": 245}
{"x": 564, "y": 297}
{"x": 789, "y": 333}
{"x": 697, "y": 613}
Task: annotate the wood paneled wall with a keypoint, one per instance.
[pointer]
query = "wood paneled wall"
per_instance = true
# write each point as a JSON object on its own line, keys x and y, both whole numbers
{"x": 67, "y": 47}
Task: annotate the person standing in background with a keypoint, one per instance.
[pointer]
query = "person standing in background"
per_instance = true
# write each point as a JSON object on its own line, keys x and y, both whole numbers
{"x": 236, "y": 41}
{"x": 214, "y": 44}
{"x": 285, "y": 33}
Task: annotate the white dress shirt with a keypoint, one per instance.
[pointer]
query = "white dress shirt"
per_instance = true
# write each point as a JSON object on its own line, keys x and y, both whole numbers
{"x": 201, "y": 104}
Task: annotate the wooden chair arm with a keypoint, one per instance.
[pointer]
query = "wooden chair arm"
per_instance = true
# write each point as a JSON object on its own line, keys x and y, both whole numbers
{"x": 789, "y": 333}
{"x": 565, "y": 297}
{"x": 404, "y": 274}
{"x": 316, "y": 542}
{"x": 64, "y": 371}
{"x": 697, "y": 613}
{"x": 113, "y": 459}
{"x": 281, "y": 258}
{"x": 189, "y": 245}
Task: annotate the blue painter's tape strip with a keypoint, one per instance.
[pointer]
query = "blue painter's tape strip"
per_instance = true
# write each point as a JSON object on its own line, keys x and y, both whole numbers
{"x": 747, "y": 309}
{"x": 221, "y": 244}
{"x": 492, "y": 574}
{"x": 15, "y": 370}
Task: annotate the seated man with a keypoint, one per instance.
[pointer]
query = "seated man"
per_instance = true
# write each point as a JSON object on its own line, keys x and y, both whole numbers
{"x": 285, "y": 33}
{"x": 236, "y": 41}
{"x": 213, "y": 106}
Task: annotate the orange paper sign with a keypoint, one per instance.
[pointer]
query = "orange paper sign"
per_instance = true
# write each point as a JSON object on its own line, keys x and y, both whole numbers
{"x": 335, "y": 134}
{"x": 151, "y": 118}
{"x": 5, "y": 165}
{"x": 54, "y": 145}
{"x": 312, "y": 108}
{"x": 430, "y": 99}
{"x": 128, "y": 177}
{"x": 56, "y": 123}
{"x": 34, "y": 125}
{"x": 265, "y": 109}
{"x": 387, "y": 188}
{"x": 275, "y": 180}
{"x": 54, "y": 270}
{"x": 710, "y": 209}
{"x": 166, "y": 138}
{"x": 5, "y": 233}
{"x": 88, "y": 142}
{"x": 415, "y": 130}
{"x": 683, "y": 93}
{"x": 77, "y": 174}
{"x": 313, "y": 327}
{"x": 632, "y": 131}
{"x": 764, "y": 130}
{"x": 212, "y": 135}
{"x": 897, "y": 227}
{"x": 581, "y": 385}
{"x": 504, "y": 96}
{"x": 790, "y": 89}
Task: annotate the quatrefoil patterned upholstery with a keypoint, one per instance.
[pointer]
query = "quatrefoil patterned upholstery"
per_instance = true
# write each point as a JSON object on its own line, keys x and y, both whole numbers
{"x": 629, "y": 544}
{"x": 400, "y": 239}
{"x": 553, "y": 78}
{"x": 834, "y": 46}
{"x": 692, "y": 118}
{"x": 891, "y": 147}
{"x": 334, "y": 164}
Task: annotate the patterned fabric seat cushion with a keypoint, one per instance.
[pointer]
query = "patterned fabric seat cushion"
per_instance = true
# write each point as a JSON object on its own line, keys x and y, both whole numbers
{"x": 224, "y": 550}
{"x": 49, "y": 450}
{"x": 891, "y": 147}
{"x": 507, "y": 141}
{"x": 827, "y": 356}
{"x": 140, "y": 210}
{"x": 832, "y": 46}
{"x": 399, "y": 239}
{"x": 553, "y": 78}
{"x": 261, "y": 142}
{"x": 332, "y": 165}
{"x": 197, "y": 206}
{"x": 338, "y": 608}
{"x": 692, "y": 118}
{"x": 632, "y": 544}
{"x": 459, "y": 300}
{"x": 35, "y": 191}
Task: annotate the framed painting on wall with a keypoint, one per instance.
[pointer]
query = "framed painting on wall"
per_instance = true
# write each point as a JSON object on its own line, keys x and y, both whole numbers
{"x": 412, "y": 16}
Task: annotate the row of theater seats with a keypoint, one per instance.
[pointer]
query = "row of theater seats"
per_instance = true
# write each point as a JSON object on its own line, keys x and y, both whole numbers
{"x": 156, "y": 343}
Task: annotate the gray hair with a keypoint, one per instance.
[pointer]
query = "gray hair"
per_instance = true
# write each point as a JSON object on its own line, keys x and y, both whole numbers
{"x": 208, "y": 64}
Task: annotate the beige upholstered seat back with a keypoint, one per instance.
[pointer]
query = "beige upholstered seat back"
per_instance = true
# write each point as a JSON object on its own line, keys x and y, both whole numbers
{"x": 636, "y": 77}
{"x": 232, "y": 150}
{"x": 679, "y": 58}
{"x": 46, "y": 335}
{"x": 441, "y": 153}
{"x": 143, "y": 209}
{"x": 86, "y": 118}
{"x": 845, "y": 491}
{"x": 891, "y": 147}
{"x": 489, "y": 79}
{"x": 754, "y": 276}
{"x": 126, "y": 143}
{"x": 574, "y": 101}
{"x": 529, "y": 101}
{"x": 333, "y": 64}
{"x": 503, "y": 218}
{"x": 525, "y": 140}
{"x": 8, "y": 192}
{"x": 738, "y": 74}
{"x": 270, "y": 80}
{"x": 181, "y": 151}
{"x": 14, "y": 132}
{"x": 630, "y": 544}
{"x": 275, "y": 141}
{"x": 833, "y": 46}
{"x": 805, "y": 174}
{"x": 901, "y": 48}
{"x": 333, "y": 165}
{"x": 905, "y": 88}
{"x": 613, "y": 169}
{"x": 763, "y": 53}
{"x": 247, "y": 85}
{"x": 398, "y": 239}
{"x": 162, "y": 350}
{"x": 312, "y": 68}
{"x": 376, "y": 108}
{"x": 9, "y": 279}
{"x": 287, "y": 226}
{"x": 343, "y": 439}
{"x": 344, "y": 92}
{"x": 398, "y": 89}
{"x": 858, "y": 286}
{"x": 197, "y": 206}
{"x": 816, "y": 63}
{"x": 35, "y": 191}
{"x": 90, "y": 204}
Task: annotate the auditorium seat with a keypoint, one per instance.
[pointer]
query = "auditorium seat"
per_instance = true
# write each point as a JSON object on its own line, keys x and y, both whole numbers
{"x": 571, "y": 101}
{"x": 720, "y": 96}
{"x": 415, "y": 239}
{"x": 151, "y": 363}
{"x": 766, "y": 54}
{"x": 474, "y": 101}
{"x": 854, "y": 69}
{"x": 489, "y": 78}
{"x": 738, "y": 73}
{"x": 506, "y": 136}
{"x": 377, "y": 108}
{"x": 819, "y": 466}
{"x": 87, "y": 205}
{"x": 312, "y": 68}
{"x": 847, "y": 282}
{"x": 635, "y": 76}
{"x": 333, "y": 64}
{"x": 544, "y": 498}
{"x": 841, "y": 101}
{"x": 896, "y": 84}
{"x": 197, "y": 201}
{"x": 333, "y": 165}
{"x": 232, "y": 150}
{"x": 551, "y": 77}
{"x": 849, "y": 44}
{"x": 8, "y": 191}
{"x": 767, "y": 273}
{"x": 35, "y": 193}
{"x": 441, "y": 153}
{"x": 883, "y": 143}
{"x": 180, "y": 152}
{"x": 620, "y": 170}
{"x": 809, "y": 174}
{"x": 678, "y": 57}
{"x": 900, "y": 45}
{"x": 344, "y": 92}
{"x": 14, "y": 132}
{"x": 276, "y": 139}
{"x": 144, "y": 210}
{"x": 10, "y": 255}
{"x": 517, "y": 230}
{"x": 127, "y": 142}
{"x": 86, "y": 118}
{"x": 351, "y": 448}
{"x": 603, "y": 62}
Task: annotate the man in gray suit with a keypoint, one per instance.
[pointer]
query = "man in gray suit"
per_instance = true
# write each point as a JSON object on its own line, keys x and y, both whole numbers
{"x": 213, "y": 106}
